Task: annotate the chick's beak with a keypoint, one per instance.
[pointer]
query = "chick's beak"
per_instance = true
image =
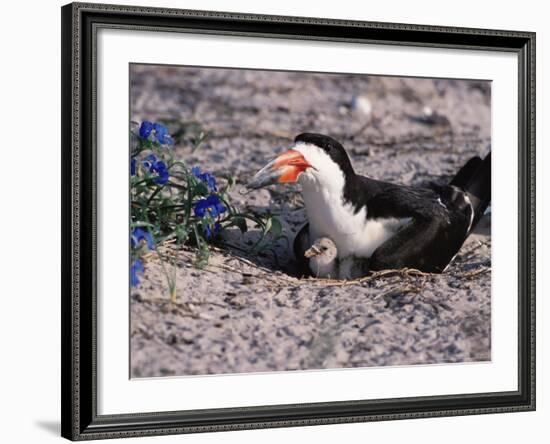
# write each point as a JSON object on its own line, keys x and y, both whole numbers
{"x": 312, "y": 252}
{"x": 284, "y": 169}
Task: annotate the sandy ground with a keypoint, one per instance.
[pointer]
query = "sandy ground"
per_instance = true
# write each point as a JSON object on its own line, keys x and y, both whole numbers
{"x": 246, "y": 313}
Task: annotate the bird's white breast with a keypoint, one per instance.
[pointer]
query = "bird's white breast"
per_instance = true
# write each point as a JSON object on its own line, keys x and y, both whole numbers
{"x": 352, "y": 232}
{"x": 329, "y": 215}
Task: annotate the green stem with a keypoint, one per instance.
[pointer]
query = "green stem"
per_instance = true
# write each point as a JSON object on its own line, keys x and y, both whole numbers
{"x": 170, "y": 280}
{"x": 188, "y": 204}
{"x": 177, "y": 185}
{"x": 158, "y": 189}
{"x": 246, "y": 216}
{"x": 197, "y": 237}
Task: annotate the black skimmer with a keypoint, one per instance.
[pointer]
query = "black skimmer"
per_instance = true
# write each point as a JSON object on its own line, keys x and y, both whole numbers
{"x": 392, "y": 226}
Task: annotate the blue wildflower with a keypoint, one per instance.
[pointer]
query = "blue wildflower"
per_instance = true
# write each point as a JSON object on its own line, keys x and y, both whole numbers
{"x": 138, "y": 235}
{"x": 133, "y": 166}
{"x": 158, "y": 167}
{"x": 207, "y": 178}
{"x": 209, "y": 231}
{"x": 163, "y": 177}
{"x": 157, "y": 130}
{"x": 161, "y": 133}
{"x": 211, "y": 206}
{"x": 149, "y": 161}
{"x": 211, "y": 182}
{"x": 137, "y": 267}
{"x": 145, "y": 129}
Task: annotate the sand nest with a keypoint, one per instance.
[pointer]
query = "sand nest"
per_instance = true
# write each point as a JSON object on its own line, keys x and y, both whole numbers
{"x": 250, "y": 313}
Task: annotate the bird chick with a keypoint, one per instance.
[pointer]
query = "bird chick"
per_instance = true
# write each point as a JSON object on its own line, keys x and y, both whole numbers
{"x": 323, "y": 258}
{"x": 325, "y": 263}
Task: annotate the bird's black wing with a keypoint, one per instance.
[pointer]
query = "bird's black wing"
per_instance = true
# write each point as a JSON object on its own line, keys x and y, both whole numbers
{"x": 439, "y": 224}
{"x": 478, "y": 189}
{"x": 397, "y": 201}
{"x": 301, "y": 241}
{"x": 389, "y": 200}
{"x": 465, "y": 174}
{"x": 301, "y": 244}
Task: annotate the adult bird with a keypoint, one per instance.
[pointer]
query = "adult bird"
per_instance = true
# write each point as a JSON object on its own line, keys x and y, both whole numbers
{"x": 392, "y": 226}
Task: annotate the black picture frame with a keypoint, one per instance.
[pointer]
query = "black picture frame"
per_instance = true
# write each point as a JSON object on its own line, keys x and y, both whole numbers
{"x": 79, "y": 317}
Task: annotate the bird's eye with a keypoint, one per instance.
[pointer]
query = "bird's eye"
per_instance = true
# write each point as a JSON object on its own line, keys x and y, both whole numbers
{"x": 324, "y": 248}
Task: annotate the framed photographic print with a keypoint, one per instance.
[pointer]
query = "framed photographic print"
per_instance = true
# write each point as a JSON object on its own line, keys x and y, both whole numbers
{"x": 280, "y": 221}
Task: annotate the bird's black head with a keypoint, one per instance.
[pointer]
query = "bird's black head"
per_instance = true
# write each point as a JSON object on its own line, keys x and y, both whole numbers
{"x": 330, "y": 146}
{"x": 315, "y": 160}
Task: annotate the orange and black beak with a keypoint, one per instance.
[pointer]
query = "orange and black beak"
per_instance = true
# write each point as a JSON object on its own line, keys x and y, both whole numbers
{"x": 284, "y": 169}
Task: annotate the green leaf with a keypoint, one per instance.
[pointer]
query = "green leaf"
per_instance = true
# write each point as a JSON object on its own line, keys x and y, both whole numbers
{"x": 199, "y": 140}
{"x": 240, "y": 222}
{"x": 273, "y": 226}
{"x": 267, "y": 226}
{"x": 201, "y": 189}
{"x": 181, "y": 234}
